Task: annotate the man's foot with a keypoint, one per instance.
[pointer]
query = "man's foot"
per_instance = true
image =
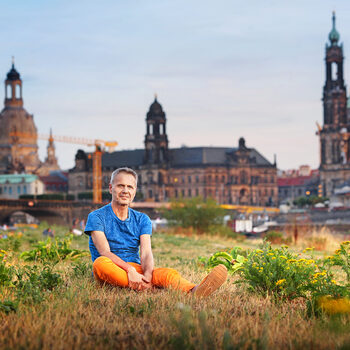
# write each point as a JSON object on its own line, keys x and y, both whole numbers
{"x": 211, "y": 282}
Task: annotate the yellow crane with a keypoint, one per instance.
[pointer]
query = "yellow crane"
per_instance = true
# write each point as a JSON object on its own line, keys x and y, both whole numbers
{"x": 100, "y": 146}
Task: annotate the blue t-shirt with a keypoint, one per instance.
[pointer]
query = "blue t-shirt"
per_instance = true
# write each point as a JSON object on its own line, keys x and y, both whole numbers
{"x": 123, "y": 236}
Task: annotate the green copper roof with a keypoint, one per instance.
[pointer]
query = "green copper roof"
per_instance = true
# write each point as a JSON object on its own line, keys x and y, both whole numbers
{"x": 348, "y": 103}
{"x": 334, "y": 35}
{"x": 17, "y": 178}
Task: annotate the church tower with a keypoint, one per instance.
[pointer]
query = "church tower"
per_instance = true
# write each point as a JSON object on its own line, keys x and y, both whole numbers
{"x": 18, "y": 134}
{"x": 334, "y": 135}
{"x": 154, "y": 171}
{"x": 156, "y": 139}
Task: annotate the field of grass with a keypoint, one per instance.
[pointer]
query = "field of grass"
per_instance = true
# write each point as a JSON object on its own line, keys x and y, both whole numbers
{"x": 78, "y": 313}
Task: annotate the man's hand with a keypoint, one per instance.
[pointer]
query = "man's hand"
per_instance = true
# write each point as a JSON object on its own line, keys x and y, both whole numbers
{"x": 147, "y": 279}
{"x": 138, "y": 281}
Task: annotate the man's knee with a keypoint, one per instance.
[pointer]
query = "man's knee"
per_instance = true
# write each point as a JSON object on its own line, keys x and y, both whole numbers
{"x": 100, "y": 262}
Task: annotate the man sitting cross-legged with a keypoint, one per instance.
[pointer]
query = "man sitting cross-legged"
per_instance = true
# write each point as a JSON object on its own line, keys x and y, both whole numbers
{"x": 117, "y": 234}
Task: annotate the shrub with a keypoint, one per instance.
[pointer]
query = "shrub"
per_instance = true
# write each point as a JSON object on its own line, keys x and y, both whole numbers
{"x": 54, "y": 251}
{"x": 33, "y": 281}
{"x": 6, "y": 272}
{"x": 10, "y": 243}
{"x": 196, "y": 213}
{"x": 341, "y": 257}
{"x": 278, "y": 272}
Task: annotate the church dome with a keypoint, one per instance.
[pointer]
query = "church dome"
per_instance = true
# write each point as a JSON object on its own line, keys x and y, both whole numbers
{"x": 13, "y": 74}
{"x": 155, "y": 110}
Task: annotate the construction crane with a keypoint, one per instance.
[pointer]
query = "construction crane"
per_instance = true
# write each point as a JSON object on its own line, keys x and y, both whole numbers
{"x": 100, "y": 146}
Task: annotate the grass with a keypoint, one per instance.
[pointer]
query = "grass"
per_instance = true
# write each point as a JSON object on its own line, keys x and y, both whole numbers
{"x": 80, "y": 314}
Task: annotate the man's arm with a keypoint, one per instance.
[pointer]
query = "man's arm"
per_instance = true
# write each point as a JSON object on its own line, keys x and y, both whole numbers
{"x": 147, "y": 262}
{"x": 102, "y": 246}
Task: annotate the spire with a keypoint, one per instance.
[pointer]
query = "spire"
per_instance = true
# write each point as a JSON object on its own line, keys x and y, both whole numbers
{"x": 13, "y": 74}
{"x": 50, "y": 137}
{"x": 155, "y": 97}
{"x": 333, "y": 35}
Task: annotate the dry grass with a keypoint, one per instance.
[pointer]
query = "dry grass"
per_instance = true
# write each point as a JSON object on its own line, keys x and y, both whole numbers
{"x": 82, "y": 315}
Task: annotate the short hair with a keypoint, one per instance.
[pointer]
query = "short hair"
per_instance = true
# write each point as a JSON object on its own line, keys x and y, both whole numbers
{"x": 123, "y": 170}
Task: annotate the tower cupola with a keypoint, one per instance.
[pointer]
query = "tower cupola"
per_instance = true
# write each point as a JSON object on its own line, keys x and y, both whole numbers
{"x": 334, "y": 35}
{"x": 13, "y": 88}
{"x": 156, "y": 139}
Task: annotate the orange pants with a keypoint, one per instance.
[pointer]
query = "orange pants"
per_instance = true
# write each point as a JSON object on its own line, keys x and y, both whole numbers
{"x": 106, "y": 271}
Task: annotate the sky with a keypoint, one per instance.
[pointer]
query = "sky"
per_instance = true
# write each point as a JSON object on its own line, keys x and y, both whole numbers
{"x": 222, "y": 70}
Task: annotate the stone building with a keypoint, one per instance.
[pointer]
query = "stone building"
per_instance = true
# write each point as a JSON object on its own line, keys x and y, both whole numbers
{"x": 18, "y": 134}
{"x": 334, "y": 135}
{"x": 233, "y": 175}
{"x": 12, "y": 186}
{"x": 295, "y": 183}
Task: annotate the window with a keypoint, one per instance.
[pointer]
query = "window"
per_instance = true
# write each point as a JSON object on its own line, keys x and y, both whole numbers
{"x": 19, "y": 189}
{"x": 183, "y": 193}
{"x": 189, "y": 179}
{"x": 80, "y": 182}
{"x": 150, "y": 193}
{"x": 183, "y": 179}
{"x": 9, "y": 91}
{"x": 243, "y": 177}
{"x": 197, "y": 178}
{"x": 216, "y": 179}
{"x": 189, "y": 193}
{"x": 223, "y": 178}
{"x": 176, "y": 194}
{"x": 10, "y": 190}
{"x": 334, "y": 71}
{"x": 197, "y": 192}
{"x": 24, "y": 189}
{"x": 5, "y": 189}
{"x": 18, "y": 91}
{"x": 0, "y": 190}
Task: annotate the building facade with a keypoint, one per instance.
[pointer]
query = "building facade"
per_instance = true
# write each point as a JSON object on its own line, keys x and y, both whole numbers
{"x": 232, "y": 175}
{"x": 302, "y": 182}
{"x": 18, "y": 134}
{"x": 12, "y": 186}
{"x": 334, "y": 135}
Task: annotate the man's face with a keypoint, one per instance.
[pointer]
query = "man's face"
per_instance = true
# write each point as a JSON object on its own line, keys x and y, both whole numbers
{"x": 123, "y": 189}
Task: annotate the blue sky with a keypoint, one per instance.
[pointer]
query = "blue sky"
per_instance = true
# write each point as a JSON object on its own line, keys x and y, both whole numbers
{"x": 222, "y": 70}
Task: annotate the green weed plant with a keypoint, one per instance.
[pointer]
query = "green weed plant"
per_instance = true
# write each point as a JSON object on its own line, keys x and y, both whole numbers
{"x": 54, "y": 251}
{"x": 6, "y": 272}
{"x": 282, "y": 274}
{"x": 33, "y": 281}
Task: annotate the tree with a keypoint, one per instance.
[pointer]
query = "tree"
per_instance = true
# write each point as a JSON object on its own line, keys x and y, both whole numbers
{"x": 195, "y": 212}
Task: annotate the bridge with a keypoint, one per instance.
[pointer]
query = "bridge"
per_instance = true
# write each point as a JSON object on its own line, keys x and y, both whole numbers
{"x": 63, "y": 212}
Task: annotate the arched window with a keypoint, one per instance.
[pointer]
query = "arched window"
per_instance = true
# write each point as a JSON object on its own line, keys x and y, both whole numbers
{"x": 334, "y": 70}
{"x": 8, "y": 91}
{"x": 18, "y": 91}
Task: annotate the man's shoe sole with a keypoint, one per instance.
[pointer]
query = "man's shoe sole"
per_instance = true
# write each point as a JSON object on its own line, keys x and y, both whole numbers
{"x": 212, "y": 281}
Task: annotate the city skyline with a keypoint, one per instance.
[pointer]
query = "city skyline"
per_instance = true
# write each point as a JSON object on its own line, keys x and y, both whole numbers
{"x": 220, "y": 72}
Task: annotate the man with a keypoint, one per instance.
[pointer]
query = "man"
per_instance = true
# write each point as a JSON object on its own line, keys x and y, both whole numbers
{"x": 117, "y": 234}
